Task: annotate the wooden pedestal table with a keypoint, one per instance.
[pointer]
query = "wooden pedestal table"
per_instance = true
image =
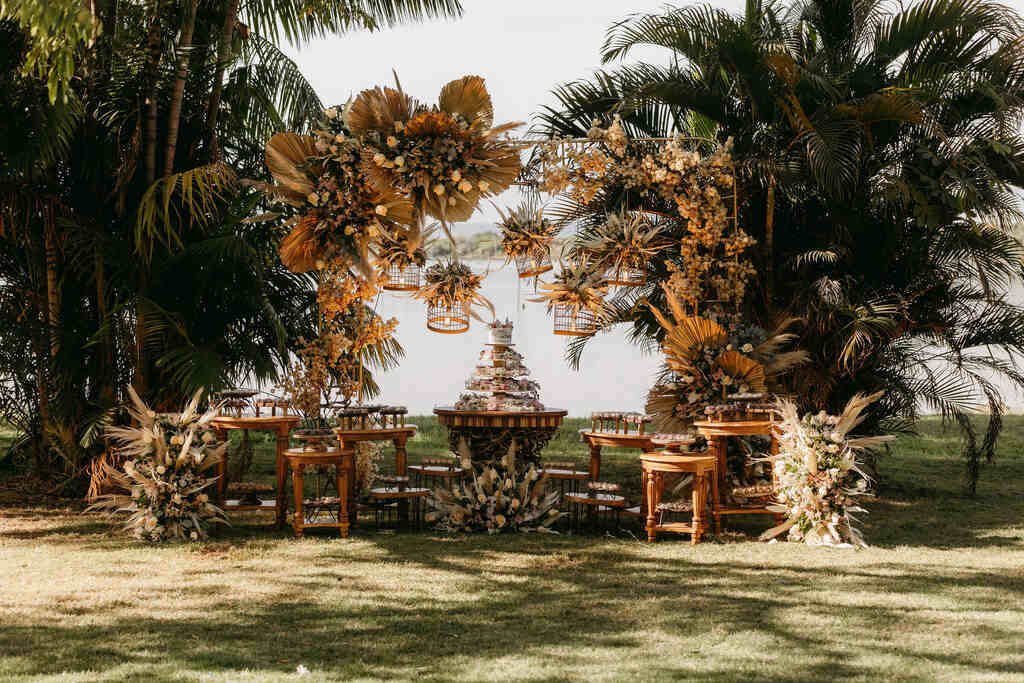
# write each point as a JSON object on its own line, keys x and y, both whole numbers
{"x": 717, "y": 434}
{"x": 342, "y": 461}
{"x": 398, "y": 435}
{"x": 654, "y": 466}
{"x": 281, "y": 425}
{"x": 488, "y": 433}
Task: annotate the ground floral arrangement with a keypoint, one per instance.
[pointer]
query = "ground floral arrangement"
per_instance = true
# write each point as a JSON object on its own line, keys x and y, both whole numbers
{"x": 818, "y": 474}
{"x": 496, "y": 497}
{"x": 164, "y": 479}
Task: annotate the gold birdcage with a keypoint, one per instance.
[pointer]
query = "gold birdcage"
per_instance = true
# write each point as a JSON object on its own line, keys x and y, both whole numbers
{"x": 534, "y": 263}
{"x": 401, "y": 278}
{"x": 625, "y": 276}
{"x": 448, "y": 317}
{"x": 572, "y": 321}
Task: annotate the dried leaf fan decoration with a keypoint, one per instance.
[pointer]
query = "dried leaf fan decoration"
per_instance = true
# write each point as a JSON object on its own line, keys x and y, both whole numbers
{"x": 576, "y": 297}
{"x": 445, "y": 158}
{"x": 452, "y": 292}
{"x": 526, "y": 236}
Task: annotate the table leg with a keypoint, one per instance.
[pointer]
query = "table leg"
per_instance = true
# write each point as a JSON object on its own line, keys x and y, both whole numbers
{"x": 719, "y": 447}
{"x": 299, "y": 519}
{"x": 349, "y": 460}
{"x": 342, "y": 472}
{"x": 700, "y": 483}
{"x": 595, "y": 462}
{"x": 282, "y": 477}
{"x": 647, "y": 482}
{"x": 401, "y": 471}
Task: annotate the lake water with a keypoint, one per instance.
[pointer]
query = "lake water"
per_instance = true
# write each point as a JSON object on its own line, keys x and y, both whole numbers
{"x": 613, "y": 375}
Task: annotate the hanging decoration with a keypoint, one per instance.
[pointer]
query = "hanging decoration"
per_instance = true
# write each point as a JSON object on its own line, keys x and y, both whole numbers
{"x": 576, "y": 297}
{"x": 623, "y": 245}
{"x": 526, "y": 236}
{"x": 452, "y": 293}
{"x": 401, "y": 260}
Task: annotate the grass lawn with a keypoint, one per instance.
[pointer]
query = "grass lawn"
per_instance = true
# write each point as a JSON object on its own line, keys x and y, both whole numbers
{"x": 939, "y": 595}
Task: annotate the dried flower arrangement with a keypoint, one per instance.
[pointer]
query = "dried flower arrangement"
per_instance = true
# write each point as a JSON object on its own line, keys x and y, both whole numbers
{"x": 818, "y": 473}
{"x": 576, "y": 296}
{"x": 694, "y": 193}
{"x": 444, "y": 158}
{"x": 164, "y": 472}
{"x": 495, "y": 497}
{"x": 705, "y": 362}
{"x": 526, "y": 237}
{"x": 454, "y": 286}
{"x": 622, "y": 245}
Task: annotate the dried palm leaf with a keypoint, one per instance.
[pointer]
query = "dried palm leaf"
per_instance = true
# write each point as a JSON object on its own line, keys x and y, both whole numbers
{"x": 468, "y": 98}
{"x": 286, "y": 154}
{"x": 578, "y": 287}
{"x": 451, "y": 283}
{"x": 301, "y": 248}
{"x": 743, "y": 369}
{"x": 378, "y": 110}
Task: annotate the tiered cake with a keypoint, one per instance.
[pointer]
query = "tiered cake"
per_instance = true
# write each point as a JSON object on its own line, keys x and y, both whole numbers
{"x": 500, "y": 381}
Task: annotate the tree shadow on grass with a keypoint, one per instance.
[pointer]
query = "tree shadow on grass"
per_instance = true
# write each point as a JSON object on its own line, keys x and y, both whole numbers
{"x": 666, "y": 617}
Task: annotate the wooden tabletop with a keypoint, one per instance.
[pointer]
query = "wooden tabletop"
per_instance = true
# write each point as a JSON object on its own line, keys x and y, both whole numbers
{"x": 613, "y": 440}
{"x": 374, "y": 433}
{"x": 451, "y": 417}
{"x": 734, "y": 428}
{"x": 254, "y": 421}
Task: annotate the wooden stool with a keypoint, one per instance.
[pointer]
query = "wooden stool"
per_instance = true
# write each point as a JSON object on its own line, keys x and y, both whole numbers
{"x": 433, "y": 472}
{"x": 654, "y": 466}
{"x": 308, "y": 512}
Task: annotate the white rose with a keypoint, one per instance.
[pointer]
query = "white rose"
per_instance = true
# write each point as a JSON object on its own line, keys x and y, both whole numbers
{"x": 392, "y": 141}
{"x": 379, "y": 159}
{"x": 340, "y": 137}
{"x": 381, "y": 210}
{"x": 439, "y": 189}
{"x": 747, "y": 348}
{"x": 399, "y": 126}
{"x": 483, "y": 185}
{"x": 313, "y": 198}
{"x": 160, "y": 469}
{"x": 465, "y": 186}
{"x": 399, "y": 161}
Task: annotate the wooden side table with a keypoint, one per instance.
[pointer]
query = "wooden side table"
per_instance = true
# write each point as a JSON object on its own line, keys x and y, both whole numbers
{"x": 596, "y": 440}
{"x": 718, "y": 433}
{"x": 654, "y": 466}
{"x": 298, "y": 459}
{"x": 281, "y": 425}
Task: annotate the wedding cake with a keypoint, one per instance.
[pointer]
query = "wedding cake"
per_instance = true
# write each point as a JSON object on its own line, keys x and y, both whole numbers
{"x": 500, "y": 381}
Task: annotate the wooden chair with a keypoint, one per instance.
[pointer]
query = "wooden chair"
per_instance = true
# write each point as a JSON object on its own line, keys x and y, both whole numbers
{"x": 601, "y": 500}
{"x": 395, "y": 490}
{"x": 654, "y": 467}
{"x": 434, "y": 472}
{"x": 564, "y": 472}
{"x": 320, "y": 510}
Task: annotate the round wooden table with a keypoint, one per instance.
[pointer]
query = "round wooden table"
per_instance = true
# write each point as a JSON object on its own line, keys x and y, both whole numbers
{"x": 597, "y": 440}
{"x": 281, "y": 425}
{"x": 718, "y": 433}
{"x": 489, "y": 433}
{"x": 654, "y": 467}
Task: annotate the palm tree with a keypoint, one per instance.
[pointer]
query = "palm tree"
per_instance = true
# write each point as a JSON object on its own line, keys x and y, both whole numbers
{"x": 880, "y": 154}
{"x": 132, "y": 247}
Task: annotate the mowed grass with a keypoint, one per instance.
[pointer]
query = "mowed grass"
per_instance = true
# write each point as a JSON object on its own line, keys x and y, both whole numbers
{"x": 939, "y": 595}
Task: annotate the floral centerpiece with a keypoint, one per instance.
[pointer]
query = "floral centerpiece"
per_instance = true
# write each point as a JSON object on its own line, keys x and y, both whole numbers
{"x": 164, "y": 475}
{"x": 495, "y": 497}
{"x": 818, "y": 474}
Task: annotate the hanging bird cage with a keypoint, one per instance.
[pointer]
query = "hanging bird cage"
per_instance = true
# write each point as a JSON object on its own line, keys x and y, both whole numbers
{"x": 401, "y": 278}
{"x": 572, "y": 321}
{"x": 625, "y": 276}
{"x": 447, "y": 317}
{"x": 534, "y": 263}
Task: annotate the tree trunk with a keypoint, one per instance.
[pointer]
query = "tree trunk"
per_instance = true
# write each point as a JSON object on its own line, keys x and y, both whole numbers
{"x": 52, "y": 287}
{"x": 184, "y": 52}
{"x": 107, "y": 367}
{"x": 769, "y": 246}
{"x": 228, "y": 30}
